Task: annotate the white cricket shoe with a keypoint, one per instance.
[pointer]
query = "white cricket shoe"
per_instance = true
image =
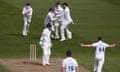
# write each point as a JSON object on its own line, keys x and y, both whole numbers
{"x": 24, "y": 34}
{"x": 62, "y": 39}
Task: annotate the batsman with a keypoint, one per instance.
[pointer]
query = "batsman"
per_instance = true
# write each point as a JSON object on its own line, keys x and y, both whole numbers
{"x": 27, "y": 15}
{"x": 46, "y": 44}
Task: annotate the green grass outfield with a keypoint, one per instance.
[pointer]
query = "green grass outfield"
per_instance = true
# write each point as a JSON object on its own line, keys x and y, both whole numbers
{"x": 91, "y": 17}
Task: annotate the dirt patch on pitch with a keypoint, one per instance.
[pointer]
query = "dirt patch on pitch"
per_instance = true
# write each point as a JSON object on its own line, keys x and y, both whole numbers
{"x": 23, "y": 65}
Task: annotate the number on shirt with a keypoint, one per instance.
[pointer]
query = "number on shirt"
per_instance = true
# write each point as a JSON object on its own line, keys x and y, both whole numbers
{"x": 71, "y": 68}
{"x": 101, "y": 49}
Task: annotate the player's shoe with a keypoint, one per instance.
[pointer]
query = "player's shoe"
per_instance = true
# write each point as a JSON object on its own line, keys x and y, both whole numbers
{"x": 48, "y": 64}
{"x": 24, "y": 34}
{"x": 57, "y": 37}
{"x": 62, "y": 39}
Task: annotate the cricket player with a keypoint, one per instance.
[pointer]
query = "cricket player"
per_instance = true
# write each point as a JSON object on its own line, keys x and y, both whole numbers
{"x": 45, "y": 43}
{"x": 59, "y": 13}
{"x": 50, "y": 18}
{"x": 65, "y": 23}
{"x": 69, "y": 64}
{"x": 99, "y": 53}
{"x": 27, "y": 15}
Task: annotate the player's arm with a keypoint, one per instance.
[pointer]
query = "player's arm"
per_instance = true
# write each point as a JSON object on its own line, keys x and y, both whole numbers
{"x": 53, "y": 18}
{"x": 42, "y": 39}
{"x": 112, "y": 45}
{"x": 77, "y": 69}
{"x": 86, "y": 45}
{"x": 23, "y": 11}
{"x": 62, "y": 69}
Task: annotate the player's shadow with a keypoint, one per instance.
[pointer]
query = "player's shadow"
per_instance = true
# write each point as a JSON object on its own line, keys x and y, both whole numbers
{"x": 33, "y": 63}
{"x": 15, "y": 34}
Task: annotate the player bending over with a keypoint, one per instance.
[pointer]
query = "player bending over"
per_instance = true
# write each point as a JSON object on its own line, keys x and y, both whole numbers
{"x": 99, "y": 53}
{"x": 50, "y": 18}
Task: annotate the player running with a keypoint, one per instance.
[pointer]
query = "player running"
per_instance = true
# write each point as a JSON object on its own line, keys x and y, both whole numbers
{"x": 46, "y": 44}
{"x": 69, "y": 64}
{"x": 65, "y": 23}
{"x": 99, "y": 53}
{"x": 27, "y": 15}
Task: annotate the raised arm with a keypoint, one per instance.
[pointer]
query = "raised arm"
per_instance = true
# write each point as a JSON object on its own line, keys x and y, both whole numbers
{"x": 112, "y": 45}
{"x": 86, "y": 45}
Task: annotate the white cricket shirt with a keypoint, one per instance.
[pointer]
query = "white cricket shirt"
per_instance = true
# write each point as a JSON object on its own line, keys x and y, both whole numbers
{"x": 50, "y": 18}
{"x": 70, "y": 64}
{"x": 67, "y": 15}
{"x": 46, "y": 35}
{"x": 100, "y": 49}
{"x": 27, "y": 9}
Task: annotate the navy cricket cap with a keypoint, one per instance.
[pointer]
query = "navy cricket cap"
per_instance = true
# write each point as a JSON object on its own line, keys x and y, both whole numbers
{"x": 27, "y": 4}
{"x": 68, "y": 53}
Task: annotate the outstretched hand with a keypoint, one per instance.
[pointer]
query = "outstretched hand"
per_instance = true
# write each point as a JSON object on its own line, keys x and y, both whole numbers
{"x": 81, "y": 44}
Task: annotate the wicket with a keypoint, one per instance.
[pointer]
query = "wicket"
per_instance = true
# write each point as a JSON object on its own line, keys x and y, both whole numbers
{"x": 32, "y": 52}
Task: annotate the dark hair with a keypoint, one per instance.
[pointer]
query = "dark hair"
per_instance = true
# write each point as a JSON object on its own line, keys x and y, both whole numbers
{"x": 99, "y": 38}
{"x": 65, "y": 4}
{"x": 48, "y": 25}
{"x": 68, "y": 53}
{"x": 57, "y": 3}
{"x": 27, "y": 4}
{"x": 51, "y": 9}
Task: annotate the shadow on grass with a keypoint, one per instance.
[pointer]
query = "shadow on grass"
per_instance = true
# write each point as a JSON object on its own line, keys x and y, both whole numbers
{"x": 33, "y": 63}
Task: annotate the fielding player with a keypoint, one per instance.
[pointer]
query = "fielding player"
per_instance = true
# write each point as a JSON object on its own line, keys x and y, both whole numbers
{"x": 45, "y": 43}
{"x": 59, "y": 14}
{"x": 69, "y": 64}
{"x": 65, "y": 22}
{"x": 50, "y": 18}
{"x": 99, "y": 54}
{"x": 27, "y": 15}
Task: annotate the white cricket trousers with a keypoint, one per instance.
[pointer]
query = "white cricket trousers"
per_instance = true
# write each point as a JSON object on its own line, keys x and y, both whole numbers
{"x": 46, "y": 53}
{"x": 63, "y": 28}
{"x": 56, "y": 27}
{"x": 27, "y": 20}
{"x": 98, "y": 65}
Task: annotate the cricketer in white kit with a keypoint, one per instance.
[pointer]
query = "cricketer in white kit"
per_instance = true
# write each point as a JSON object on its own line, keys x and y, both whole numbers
{"x": 50, "y": 18}
{"x": 66, "y": 20}
{"x": 69, "y": 64}
{"x": 46, "y": 44}
{"x": 59, "y": 14}
{"x": 27, "y": 15}
{"x": 99, "y": 53}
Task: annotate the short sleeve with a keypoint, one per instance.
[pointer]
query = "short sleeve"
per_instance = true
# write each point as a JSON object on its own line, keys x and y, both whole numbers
{"x": 94, "y": 44}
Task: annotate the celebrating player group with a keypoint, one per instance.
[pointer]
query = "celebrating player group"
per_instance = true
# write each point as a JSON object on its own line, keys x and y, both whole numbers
{"x": 59, "y": 17}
